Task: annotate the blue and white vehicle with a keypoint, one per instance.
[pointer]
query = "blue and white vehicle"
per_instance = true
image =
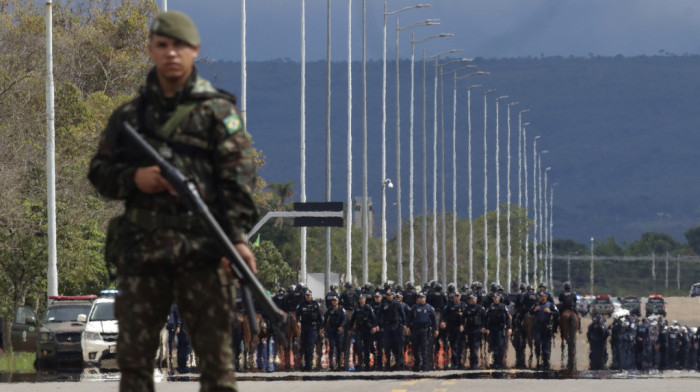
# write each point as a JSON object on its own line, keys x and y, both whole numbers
{"x": 99, "y": 339}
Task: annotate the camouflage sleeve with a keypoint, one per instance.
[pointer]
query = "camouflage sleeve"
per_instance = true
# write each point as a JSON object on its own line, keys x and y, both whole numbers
{"x": 111, "y": 176}
{"x": 234, "y": 160}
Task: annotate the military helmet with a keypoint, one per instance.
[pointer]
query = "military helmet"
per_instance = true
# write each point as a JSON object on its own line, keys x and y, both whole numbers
{"x": 409, "y": 285}
{"x": 399, "y": 287}
{"x": 438, "y": 287}
{"x": 426, "y": 286}
{"x": 348, "y": 285}
{"x": 567, "y": 286}
{"x": 433, "y": 283}
{"x": 529, "y": 287}
{"x": 451, "y": 287}
{"x": 368, "y": 286}
{"x": 281, "y": 290}
{"x": 543, "y": 285}
{"x": 291, "y": 288}
{"x": 494, "y": 286}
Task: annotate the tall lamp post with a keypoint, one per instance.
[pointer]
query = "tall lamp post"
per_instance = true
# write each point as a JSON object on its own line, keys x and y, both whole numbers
{"x": 469, "y": 179}
{"x": 592, "y": 244}
{"x": 520, "y": 192}
{"x": 302, "y": 196}
{"x": 386, "y": 14}
{"x": 399, "y": 223}
{"x": 410, "y": 179}
{"x": 486, "y": 187}
{"x": 498, "y": 193}
{"x": 551, "y": 226}
{"x": 510, "y": 251}
{"x": 534, "y": 209}
{"x": 548, "y": 272}
{"x": 386, "y": 183}
{"x": 540, "y": 208}
{"x": 435, "y": 131}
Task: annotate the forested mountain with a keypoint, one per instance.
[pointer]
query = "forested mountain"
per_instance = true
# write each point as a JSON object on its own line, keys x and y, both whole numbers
{"x": 620, "y": 134}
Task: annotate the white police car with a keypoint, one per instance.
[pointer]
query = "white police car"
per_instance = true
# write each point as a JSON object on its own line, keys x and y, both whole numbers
{"x": 99, "y": 339}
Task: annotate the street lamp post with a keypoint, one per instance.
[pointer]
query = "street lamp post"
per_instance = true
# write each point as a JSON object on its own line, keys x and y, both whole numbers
{"x": 540, "y": 208}
{"x": 435, "y": 130}
{"x": 551, "y": 226}
{"x": 410, "y": 180}
{"x": 454, "y": 168}
{"x": 399, "y": 223}
{"x": 520, "y": 192}
{"x": 348, "y": 218}
{"x": 548, "y": 269}
{"x": 302, "y": 196}
{"x": 469, "y": 181}
{"x": 592, "y": 244}
{"x": 486, "y": 187}
{"x": 498, "y": 193}
{"x": 386, "y": 183}
{"x": 510, "y": 251}
{"x": 386, "y": 14}
{"x": 534, "y": 209}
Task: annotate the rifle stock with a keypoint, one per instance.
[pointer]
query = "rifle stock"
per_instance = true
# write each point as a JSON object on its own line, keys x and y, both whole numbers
{"x": 251, "y": 289}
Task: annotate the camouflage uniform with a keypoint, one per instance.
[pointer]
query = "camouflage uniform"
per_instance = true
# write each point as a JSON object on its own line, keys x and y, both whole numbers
{"x": 161, "y": 253}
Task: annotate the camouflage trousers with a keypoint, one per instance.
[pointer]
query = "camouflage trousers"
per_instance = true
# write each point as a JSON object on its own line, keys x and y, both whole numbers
{"x": 205, "y": 301}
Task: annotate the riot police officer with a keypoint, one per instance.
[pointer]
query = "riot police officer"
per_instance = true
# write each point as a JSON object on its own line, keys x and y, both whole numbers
{"x": 478, "y": 290}
{"x": 453, "y": 322}
{"x": 544, "y": 313}
{"x": 392, "y": 320}
{"x": 474, "y": 323}
{"x": 641, "y": 345}
{"x": 334, "y": 324}
{"x": 331, "y": 294}
{"x": 498, "y": 330}
{"x": 363, "y": 322}
{"x": 378, "y": 335}
{"x": 464, "y": 292}
{"x": 409, "y": 294}
{"x": 488, "y": 299}
{"x": 279, "y": 298}
{"x": 421, "y": 321}
{"x": 597, "y": 336}
{"x": 543, "y": 287}
{"x": 309, "y": 317}
{"x": 348, "y": 301}
{"x": 567, "y": 299}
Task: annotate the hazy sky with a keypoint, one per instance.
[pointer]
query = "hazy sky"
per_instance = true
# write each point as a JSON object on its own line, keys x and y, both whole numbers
{"x": 482, "y": 28}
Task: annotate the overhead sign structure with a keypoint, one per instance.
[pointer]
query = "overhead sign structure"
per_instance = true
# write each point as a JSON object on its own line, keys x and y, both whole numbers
{"x": 325, "y": 214}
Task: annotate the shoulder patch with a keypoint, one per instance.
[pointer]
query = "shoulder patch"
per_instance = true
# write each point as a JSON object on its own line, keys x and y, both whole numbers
{"x": 233, "y": 123}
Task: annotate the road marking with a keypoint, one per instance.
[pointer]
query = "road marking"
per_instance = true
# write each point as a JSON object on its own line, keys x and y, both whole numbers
{"x": 449, "y": 382}
{"x": 412, "y": 382}
{"x": 398, "y": 390}
{"x": 441, "y": 390}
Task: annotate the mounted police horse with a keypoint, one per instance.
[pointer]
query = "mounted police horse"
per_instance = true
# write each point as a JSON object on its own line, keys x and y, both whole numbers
{"x": 569, "y": 323}
{"x": 289, "y": 346}
{"x": 527, "y": 336}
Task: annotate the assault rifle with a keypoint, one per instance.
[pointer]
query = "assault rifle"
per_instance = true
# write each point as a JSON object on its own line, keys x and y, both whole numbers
{"x": 190, "y": 197}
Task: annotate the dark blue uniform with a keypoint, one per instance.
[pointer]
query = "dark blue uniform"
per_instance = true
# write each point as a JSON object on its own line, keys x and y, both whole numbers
{"x": 309, "y": 316}
{"x": 392, "y": 320}
{"x": 597, "y": 336}
{"x": 453, "y": 317}
{"x": 498, "y": 323}
{"x": 363, "y": 321}
{"x": 543, "y": 330}
{"x": 334, "y": 323}
{"x": 421, "y": 319}
{"x": 378, "y": 336}
{"x": 184, "y": 346}
{"x": 474, "y": 322}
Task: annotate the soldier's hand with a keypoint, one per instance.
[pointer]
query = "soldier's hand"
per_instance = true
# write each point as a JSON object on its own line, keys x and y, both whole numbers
{"x": 148, "y": 180}
{"x": 247, "y": 256}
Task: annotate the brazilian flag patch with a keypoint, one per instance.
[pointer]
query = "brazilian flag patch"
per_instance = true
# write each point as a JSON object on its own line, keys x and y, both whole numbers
{"x": 233, "y": 123}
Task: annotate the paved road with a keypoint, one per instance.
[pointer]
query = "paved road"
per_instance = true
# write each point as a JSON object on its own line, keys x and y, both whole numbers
{"x": 670, "y": 383}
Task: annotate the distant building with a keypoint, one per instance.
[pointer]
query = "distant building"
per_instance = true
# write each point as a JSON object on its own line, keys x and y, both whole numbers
{"x": 357, "y": 214}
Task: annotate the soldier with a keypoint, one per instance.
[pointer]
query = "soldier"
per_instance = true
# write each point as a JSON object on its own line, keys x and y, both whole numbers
{"x": 421, "y": 319}
{"x": 334, "y": 324}
{"x": 309, "y": 318}
{"x": 363, "y": 323}
{"x": 453, "y": 322}
{"x": 474, "y": 328}
{"x": 544, "y": 313}
{"x": 597, "y": 336}
{"x": 498, "y": 330}
{"x": 392, "y": 319}
{"x": 161, "y": 253}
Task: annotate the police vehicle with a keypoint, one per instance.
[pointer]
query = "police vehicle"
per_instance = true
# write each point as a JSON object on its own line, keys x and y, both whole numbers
{"x": 582, "y": 305}
{"x": 602, "y": 304}
{"x": 633, "y": 304}
{"x": 695, "y": 290}
{"x": 99, "y": 339}
{"x": 59, "y": 335}
{"x": 655, "y": 305}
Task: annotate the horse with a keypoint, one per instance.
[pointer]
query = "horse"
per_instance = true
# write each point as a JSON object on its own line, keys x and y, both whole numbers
{"x": 527, "y": 331}
{"x": 569, "y": 323}
{"x": 251, "y": 340}
{"x": 289, "y": 345}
